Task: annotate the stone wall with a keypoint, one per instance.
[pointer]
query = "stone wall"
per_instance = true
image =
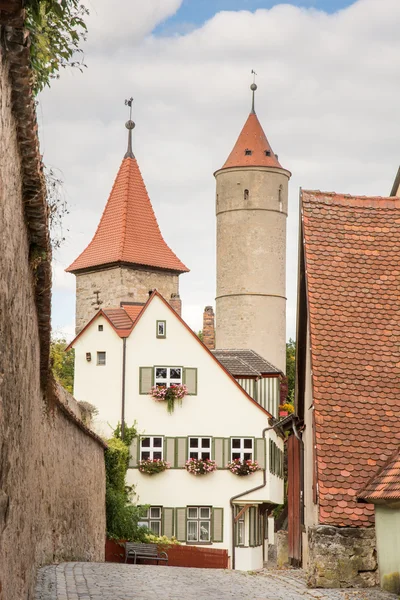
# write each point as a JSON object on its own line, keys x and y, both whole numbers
{"x": 342, "y": 557}
{"x": 108, "y": 287}
{"x": 52, "y": 477}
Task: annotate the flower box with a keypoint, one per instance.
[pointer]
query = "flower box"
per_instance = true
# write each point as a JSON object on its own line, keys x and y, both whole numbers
{"x": 170, "y": 395}
{"x": 243, "y": 467}
{"x": 151, "y": 466}
{"x": 197, "y": 466}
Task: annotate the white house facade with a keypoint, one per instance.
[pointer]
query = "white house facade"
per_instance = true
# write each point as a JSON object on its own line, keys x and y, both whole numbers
{"x": 119, "y": 356}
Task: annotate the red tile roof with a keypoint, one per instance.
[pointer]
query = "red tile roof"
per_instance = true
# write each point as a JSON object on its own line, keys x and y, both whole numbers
{"x": 118, "y": 318}
{"x": 352, "y": 268}
{"x": 252, "y": 138}
{"x": 385, "y": 485}
{"x": 133, "y": 311}
{"x": 128, "y": 231}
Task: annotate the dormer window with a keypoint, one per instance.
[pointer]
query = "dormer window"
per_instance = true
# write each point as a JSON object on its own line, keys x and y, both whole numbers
{"x": 248, "y": 152}
{"x": 267, "y": 153}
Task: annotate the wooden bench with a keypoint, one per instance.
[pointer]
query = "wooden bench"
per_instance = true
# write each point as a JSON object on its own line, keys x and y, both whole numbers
{"x": 146, "y": 551}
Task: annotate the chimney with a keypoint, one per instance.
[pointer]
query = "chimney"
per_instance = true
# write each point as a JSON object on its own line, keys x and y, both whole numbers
{"x": 176, "y": 303}
{"x": 209, "y": 328}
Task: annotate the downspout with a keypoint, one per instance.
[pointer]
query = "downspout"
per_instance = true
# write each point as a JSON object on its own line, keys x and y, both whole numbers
{"x": 123, "y": 388}
{"x": 258, "y": 487}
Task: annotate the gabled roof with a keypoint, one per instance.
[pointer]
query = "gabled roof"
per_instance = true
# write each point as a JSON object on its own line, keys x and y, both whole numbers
{"x": 384, "y": 485}
{"x": 192, "y": 333}
{"x": 259, "y": 152}
{"x": 242, "y": 363}
{"x": 128, "y": 231}
{"x": 350, "y": 256}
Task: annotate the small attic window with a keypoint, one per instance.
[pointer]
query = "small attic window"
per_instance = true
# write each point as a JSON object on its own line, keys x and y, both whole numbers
{"x": 248, "y": 152}
{"x": 267, "y": 153}
{"x": 100, "y": 327}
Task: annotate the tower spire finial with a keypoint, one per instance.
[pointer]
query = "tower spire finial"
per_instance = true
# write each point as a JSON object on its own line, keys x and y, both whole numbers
{"x": 253, "y": 88}
{"x": 129, "y": 125}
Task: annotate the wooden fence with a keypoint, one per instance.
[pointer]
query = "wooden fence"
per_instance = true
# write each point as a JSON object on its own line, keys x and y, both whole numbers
{"x": 178, "y": 556}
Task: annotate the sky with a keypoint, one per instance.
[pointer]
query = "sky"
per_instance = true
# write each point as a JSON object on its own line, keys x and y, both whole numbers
{"x": 328, "y": 81}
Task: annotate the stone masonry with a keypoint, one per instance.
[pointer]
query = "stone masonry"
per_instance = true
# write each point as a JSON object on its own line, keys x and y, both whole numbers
{"x": 342, "y": 557}
{"x": 209, "y": 328}
{"x": 108, "y": 287}
{"x": 52, "y": 476}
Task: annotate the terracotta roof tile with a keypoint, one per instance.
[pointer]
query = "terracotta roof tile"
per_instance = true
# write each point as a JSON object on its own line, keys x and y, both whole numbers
{"x": 352, "y": 267}
{"x": 253, "y": 140}
{"x": 128, "y": 231}
{"x": 384, "y": 485}
{"x": 241, "y": 362}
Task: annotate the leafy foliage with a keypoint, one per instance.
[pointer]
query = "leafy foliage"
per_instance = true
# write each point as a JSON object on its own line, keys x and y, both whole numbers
{"x": 122, "y": 516}
{"x": 62, "y": 363}
{"x": 290, "y": 368}
{"x": 57, "y": 29}
{"x": 129, "y": 433}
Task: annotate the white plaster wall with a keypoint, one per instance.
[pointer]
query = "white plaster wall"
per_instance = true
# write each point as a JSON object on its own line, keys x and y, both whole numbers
{"x": 249, "y": 559}
{"x": 101, "y": 385}
{"x": 271, "y": 530}
{"x": 387, "y": 527}
{"x": 310, "y": 509}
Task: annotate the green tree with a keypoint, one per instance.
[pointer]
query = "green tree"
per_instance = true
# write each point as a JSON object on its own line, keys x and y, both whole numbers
{"x": 62, "y": 363}
{"x": 57, "y": 28}
{"x": 290, "y": 368}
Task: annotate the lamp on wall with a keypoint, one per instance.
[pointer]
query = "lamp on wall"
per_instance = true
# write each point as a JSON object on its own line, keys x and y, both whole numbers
{"x": 88, "y": 356}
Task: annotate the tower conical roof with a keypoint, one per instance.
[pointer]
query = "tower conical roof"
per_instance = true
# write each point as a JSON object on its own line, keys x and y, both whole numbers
{"x": 128, "y": 231}
{"x": 252, "y": 148}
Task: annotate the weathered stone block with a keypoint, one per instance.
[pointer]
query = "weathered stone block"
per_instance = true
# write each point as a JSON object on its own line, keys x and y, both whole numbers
{"x": 342, "y": 557}
{"x": 282, "y": 549}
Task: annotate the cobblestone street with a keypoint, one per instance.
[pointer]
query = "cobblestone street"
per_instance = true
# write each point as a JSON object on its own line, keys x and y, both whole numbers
{"x": 108, "y": 581}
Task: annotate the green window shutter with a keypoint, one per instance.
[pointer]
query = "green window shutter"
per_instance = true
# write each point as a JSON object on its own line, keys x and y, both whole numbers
{"x": 133, "y": 451}
{"x": 168, "y": 522}
{"x": 190, "y": 380}
{"x": 260, "y": 452}
{"x": 273, "y": 458}
{"x": 145, "y": 379}
{"x": 180, "y": 452}
{"x": 217, "y": 524}
{"x": 180, "y": 524}
{"x": 252, "y": 526}
{"x": 227, "y": 451}
{"x": 270, "y": 456}
{"x": 218, "y": 452}
{"x": 169, "y": 450}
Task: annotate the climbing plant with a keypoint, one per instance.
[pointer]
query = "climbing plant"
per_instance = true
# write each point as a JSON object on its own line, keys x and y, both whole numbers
{"x": 57, "y": 29}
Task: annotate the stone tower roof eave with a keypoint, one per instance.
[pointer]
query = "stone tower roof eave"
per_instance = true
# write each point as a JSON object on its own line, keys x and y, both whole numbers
{"x": 118, "y": 263}
{"x": 254, "y": 168}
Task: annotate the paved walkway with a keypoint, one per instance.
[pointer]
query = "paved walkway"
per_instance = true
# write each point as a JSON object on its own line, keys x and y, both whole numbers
{"x": 108, "y": 581}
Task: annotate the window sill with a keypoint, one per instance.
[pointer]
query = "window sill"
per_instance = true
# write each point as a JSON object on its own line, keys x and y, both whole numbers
{"x": 199, "y": 543}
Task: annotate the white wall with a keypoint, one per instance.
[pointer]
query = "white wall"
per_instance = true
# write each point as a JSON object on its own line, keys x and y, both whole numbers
{"x": 387, "y": 527}
{"x": 220, "y": 409}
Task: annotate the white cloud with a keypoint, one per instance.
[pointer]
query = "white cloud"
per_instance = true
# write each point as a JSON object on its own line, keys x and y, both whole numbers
{"x": 327, "y": 98}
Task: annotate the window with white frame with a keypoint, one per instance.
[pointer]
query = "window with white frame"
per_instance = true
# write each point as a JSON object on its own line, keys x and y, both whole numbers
{"x": 242, "y": 448}
{"x": 198, "y": 524}
{"x": 200, "y": 448}
{"x": 151, "y": 518}
{"x": 167, "y": 376}
{"x": 151, "y": 448}
{"x": 101, "y": 358}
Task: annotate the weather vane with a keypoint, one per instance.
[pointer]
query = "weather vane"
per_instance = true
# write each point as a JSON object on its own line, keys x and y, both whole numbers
{"x": 253, "y": 88}
{"x": 129, "y": 125}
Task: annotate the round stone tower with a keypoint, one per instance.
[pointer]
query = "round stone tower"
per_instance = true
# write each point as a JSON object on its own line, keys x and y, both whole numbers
{"x": 251, "y": 208}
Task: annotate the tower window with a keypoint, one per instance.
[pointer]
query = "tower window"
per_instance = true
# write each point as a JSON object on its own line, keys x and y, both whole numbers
{"x": 246, "y": 194}
{"x": 248, "y": 152}
{"x": 267, "y": 153}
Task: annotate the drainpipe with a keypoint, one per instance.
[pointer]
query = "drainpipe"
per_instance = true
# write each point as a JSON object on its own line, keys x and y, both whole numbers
{"x": 123, "y": 389}
{"x": 258, "y": 487}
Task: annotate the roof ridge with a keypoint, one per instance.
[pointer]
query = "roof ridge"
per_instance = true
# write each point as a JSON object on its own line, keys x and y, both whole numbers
{"x": 125, "y": 212}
